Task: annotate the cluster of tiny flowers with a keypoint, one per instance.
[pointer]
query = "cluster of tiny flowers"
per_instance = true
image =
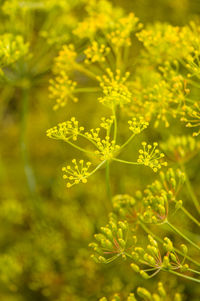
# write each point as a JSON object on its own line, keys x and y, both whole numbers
{"x": 114, "y": 89}
{"x": 106, "y": 123}
{"x": 160, "y": 294}
{"x": 120, "y": 34}
{"x": 76, "y": 174}
{"x": 107, "y": 148}
{"x": 96, "y": 53}
{"x": 111, "y": 242}
{"x": 163, "y": 42}
{"x": 150, "y": 156}
{"x": 159, "y": 194}
{"x": 137, "y": 125}
{"x": 66, "y": 130}
{"x": 151, "y": 257}
{"x": 65, "y": 60}
{"x": 180, "y": 148}
{"x": 61, "y": 89}
{"x": 193, "y": 118}
{"x": 123, "y": 205}
{"x": 101, "y": 15}
{"x": 12, "y": 48}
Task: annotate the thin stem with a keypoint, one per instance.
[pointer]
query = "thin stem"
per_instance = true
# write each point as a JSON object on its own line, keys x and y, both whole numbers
{"x": 126, "y": 162}
{"x": 146, "y": 229}
{"x": 182, "y": 235}
{"x": 78, "y": 147}
{"x": 190, "y": 189}
{"x": 97, "y": 167}
{"x": 87, "y": 90}
{"x": 194, "y": 271}
{"x": 183, "y": 276}
{"x": 108, "y": 180}
{"x": 189, "y": 215}
{"x": 115, "y": 125}
{"x": 30, "y": 178}
{"x": 85, "y": 71}
{"x": 128, "y": 141}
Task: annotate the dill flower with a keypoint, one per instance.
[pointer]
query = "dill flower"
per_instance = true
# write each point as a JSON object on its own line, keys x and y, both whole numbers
{"x": 162, "y": 41}
{"x": 192, "y": 117}
{"x": 12, "y": 48}
{"x": 151, "y": 256}
{"x": 121, "y": 31}
{"x": 137, "y": 125}
{"x": 180, "y": 148}
{"x": 65, "y": 60}
{"x": 61, "y": 89}
{"x": 66, "y": 130}
{"x": 76, "y": 174}
{"x": 151, "y": 156}
{"x": 101, "y": 14}
{"x": 96, "y": 53}
{"x": 111, "y": 242}
{"x": 114, "y": 89}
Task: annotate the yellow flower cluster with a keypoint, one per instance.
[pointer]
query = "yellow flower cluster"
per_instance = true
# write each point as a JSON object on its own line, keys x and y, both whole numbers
{"x": 114, "y": 89}
{"x": 150, "y": 156}
{"x": 12, "y": 48}
{"x": 192, "y": 117}
{"x": 160, "y": 93}
{"x": 65, "y": 60}
{"x": 160, "y": 294}
{"x": 111, "y": 242}
{"x": 107, "y": 148}
{"x": 96, "y": 53}
{"x": 120, "y": 34}
{"x": 180, "y": 148}
{"x": 76, "y": 174}
{"x": 101, "y": 14}
{"x": 162, "y": 42}
{"x": 61, "y": 89}
{"x": 66, "y": 130}
{"x": 137, "y": 125}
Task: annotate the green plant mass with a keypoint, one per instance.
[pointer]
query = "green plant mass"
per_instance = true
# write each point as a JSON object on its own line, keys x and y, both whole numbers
{"x": 99, "y": 152}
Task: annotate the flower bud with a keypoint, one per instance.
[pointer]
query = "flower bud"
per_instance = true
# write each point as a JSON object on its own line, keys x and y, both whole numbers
{"x": 135, "y": 267}
{"x": 143, "y": 293}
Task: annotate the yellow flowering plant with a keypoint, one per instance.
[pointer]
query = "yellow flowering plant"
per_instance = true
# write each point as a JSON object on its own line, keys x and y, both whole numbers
{"x": 121, "y": 97}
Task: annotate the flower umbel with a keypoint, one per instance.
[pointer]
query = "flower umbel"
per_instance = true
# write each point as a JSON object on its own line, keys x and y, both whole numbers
{"x": 96, "y": 53}
{"x": 114, "y": 89}
{"x": 61, "y": 89}
{"x": 66, "y": 130}
{"x": 150, "y": 156}
{"x": 137, "y": 125}
{"x": 76, "y": 174}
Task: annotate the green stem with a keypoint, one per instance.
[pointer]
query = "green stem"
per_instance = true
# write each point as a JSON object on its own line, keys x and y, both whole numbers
{"x": 128, "y": 141}
{"x": 108, "y": 180}
{"x": 194, "y": 271}
{"x": 126, "y": 162}
{"x": 115, "y": 125}
{"x": 97, "y": 167}
{"x": 78, "y": 147}
{"x": 30, "y": 178}
{"x": 146, "y": 229}
{"x": 85, "y": 71}
{"x": 184, "y": 276}
{"x": 189, "y": 215}
{"x": 87, "y": 90}
{"x": 182, "y": 235}
{"x": 190, "y": 190}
